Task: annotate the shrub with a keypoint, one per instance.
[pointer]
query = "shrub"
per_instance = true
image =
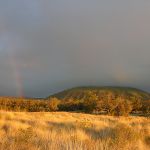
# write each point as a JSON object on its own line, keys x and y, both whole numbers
{"x": 90, "y": 101}
{"x": 71, "y": 105}
{"x": 136, "y": 104}
{"x": 118, "y": 107}
{"x": 146, "y": 107}
{"x": 53, "y": 104}
{"x": 147, "y": 140}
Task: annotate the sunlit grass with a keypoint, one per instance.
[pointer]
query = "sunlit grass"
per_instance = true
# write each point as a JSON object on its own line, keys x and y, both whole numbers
{"x": 72, "y": 131}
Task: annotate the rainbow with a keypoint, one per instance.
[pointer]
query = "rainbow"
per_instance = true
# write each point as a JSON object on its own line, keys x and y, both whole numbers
{"x": 16, "y": 75}
{"x": 10, "y": 44}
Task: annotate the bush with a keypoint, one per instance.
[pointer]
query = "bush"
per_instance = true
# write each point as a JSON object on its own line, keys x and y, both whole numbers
{"x": 118, "y": 107}
{"x": 136, "y": 104}
{"x": 90, "y": 102}
{"x": 71, "y": 105}
{"x": 53, "y": 104}
{"x": 146, "y": 107}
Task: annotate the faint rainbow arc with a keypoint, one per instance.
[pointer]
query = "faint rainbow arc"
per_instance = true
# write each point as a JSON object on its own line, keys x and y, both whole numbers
{"x": 16, "y": 75}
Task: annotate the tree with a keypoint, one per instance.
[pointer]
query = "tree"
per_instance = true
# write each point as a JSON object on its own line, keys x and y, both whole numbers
{"x": 53, "y": 104}
{"x": 145, "y": 107}
{"x": 71, "y": 105}
{"x": 90, "y": 101}
{"x": 121, "y": 107}
{"x": 136, "y": 104}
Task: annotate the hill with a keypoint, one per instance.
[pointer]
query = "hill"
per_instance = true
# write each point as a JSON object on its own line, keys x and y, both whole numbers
{"x": 103, "y": 93}
{"x": 102, "y": 100}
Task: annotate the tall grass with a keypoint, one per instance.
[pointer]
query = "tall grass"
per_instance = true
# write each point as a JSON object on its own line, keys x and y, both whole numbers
{"x": 72, "y": 131}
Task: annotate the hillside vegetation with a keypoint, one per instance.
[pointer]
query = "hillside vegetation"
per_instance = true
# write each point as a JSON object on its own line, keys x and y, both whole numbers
{"x": 107, "y": 100}
{"x": 103, "y": 93}
{"x": 72, "y": 131}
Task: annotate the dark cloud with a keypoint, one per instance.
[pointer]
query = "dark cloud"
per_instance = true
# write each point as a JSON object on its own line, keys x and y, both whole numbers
{"x": 47, "y": 46}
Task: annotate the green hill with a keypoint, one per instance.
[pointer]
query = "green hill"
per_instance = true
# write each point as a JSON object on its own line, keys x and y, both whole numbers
{"x": 103, "y": 93}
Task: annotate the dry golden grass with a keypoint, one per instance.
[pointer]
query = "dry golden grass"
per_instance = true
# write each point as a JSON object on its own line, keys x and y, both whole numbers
{"x": 72, "y": 131}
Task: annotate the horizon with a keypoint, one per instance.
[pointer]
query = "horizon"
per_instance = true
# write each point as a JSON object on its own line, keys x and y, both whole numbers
{"x": 50, "y": 46}
{"x": 123, "y": 87}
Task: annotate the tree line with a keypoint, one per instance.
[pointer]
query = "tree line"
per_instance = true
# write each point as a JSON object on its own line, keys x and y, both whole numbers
{"x": 91, "y": 103}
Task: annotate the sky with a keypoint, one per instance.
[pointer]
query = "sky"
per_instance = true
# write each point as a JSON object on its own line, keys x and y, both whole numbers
{"x": 47, "y": 46}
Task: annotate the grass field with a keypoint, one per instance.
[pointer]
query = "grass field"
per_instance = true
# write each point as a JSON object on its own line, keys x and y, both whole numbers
{"x": 72, "y": 131}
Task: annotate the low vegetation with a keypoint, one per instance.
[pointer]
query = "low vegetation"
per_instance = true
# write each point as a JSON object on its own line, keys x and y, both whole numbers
{"x": 72, "y": 131}
{"x": 91, "y": 103}
{"x": 42, "y": 124}
{"x": 103, "y": 93}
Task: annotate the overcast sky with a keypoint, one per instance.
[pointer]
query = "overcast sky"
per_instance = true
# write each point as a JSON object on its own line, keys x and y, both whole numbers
{"x": 50, "y": 45}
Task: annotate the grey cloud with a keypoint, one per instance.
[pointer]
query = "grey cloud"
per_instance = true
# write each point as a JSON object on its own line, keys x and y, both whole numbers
{"x": 55, "y": 45}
